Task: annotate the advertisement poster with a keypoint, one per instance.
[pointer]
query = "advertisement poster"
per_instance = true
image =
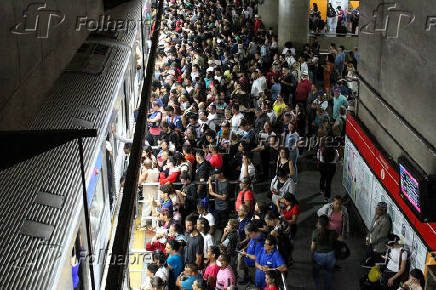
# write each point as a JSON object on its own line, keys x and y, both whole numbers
{"x": 349, "y": 169}
{"x": 377, "y": 193}
{"x": 418, "y": 257}
{"x": 363, "y": 191}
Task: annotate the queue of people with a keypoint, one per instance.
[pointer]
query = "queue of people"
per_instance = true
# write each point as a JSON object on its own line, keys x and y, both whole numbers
{"x": 229, "y": 110}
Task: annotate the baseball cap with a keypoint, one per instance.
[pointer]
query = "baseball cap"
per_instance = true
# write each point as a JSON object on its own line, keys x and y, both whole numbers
{"x": 218, "y": 170}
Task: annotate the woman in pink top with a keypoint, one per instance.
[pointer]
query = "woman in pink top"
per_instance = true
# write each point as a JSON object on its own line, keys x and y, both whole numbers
{"x": 211, "y": 271}
{"x": 225, "y": 277}
{"x": 338, "y": 216}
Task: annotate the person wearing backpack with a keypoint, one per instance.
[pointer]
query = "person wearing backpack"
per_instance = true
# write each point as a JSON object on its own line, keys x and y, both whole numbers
{"x": 327, "y": 157}
{"x": 398, "y": 265}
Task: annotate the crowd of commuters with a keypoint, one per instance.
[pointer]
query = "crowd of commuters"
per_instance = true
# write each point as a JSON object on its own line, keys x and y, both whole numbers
{"x": 230, "y": 110}
{"x": 338, "y": 20}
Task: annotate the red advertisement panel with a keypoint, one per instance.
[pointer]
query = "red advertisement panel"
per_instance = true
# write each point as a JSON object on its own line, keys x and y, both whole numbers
{"x": 388, "y": 176}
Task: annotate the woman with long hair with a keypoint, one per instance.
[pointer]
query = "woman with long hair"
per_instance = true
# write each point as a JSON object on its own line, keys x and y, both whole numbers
{"x": 211, "y": 271}
{"x": 416, "y": 281}
{"x": 284, "y": 162}
{"x": 323, "y": 252}
{"x": 160, "y": 259}
{"x": 204, "y": 228}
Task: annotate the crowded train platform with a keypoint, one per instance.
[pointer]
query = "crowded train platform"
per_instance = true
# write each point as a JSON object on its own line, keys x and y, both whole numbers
{"x": 262, "y": 160}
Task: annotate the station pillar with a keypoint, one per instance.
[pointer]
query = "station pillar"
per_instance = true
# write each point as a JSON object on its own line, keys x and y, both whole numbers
{"x": 268, "y": 12}
{"x": 293, "y": 22}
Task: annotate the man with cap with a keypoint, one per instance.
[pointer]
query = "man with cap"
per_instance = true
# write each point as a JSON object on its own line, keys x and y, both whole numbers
{"x": 219, "y": 190}
{"x": 378, "y": 236}
{"x": 338, "y": 101}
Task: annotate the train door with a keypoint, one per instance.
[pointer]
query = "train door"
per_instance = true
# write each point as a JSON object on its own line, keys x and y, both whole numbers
{"x": 75, "y": 270}
{"x": 99, "y": 216}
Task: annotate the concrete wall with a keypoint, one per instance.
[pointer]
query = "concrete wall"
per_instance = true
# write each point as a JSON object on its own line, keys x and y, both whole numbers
{"x": 401, "y": 68}
{"x": 268, "y": 12}
{"x": 293, "y": 22}
{"x": 30, "y": 65}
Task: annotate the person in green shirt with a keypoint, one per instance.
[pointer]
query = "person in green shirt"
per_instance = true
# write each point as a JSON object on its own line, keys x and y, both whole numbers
{"x": 323, "y": 252}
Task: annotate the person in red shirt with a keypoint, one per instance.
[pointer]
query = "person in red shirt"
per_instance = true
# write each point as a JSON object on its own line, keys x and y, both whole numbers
{"x": 216, "y": 160}
{"x": 289, "y": 210}
{"x": 257, "y": 24}
{"x": 169, "y": 173}
{"x": 272, "y": 279}
{"x": 245, "y": 196}
{"x": 187, "y": 153}
{"x": 303, "y": 89}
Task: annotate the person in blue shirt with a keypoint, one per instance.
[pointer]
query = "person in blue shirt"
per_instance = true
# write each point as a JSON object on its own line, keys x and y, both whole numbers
{"x": 174, "y": 261}
{"x": 173, "y": 118}
{"x": 268, "y": 258}
{"x": 338, "y": 101}
{"x": 248, "y": 134}
{"x": 188, "y": 277}
{"x": 340, "y": 61}
{"x": 244, "y": 217}
{"x": 255, "y": 245}
{"x": 165, "y": 201}
{"x": 276, "y": 88}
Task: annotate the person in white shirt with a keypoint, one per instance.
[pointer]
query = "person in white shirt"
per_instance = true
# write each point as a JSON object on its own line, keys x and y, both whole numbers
{"x": 203, "y": 212}
{"x": 247, "y": 169}
{"x": 204, "y": 229}
{"x": 396, "y": 257}
{"x": 163, "y": 272}
{"x": 212, "y": 116}
{"x": 236, "y": 118}
{"x": 259, "y": 84}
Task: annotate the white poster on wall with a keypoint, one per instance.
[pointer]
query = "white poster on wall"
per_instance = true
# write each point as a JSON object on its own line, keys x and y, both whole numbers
{"x": 364, "y": 186}
{"x": 419, "y": 254}
{"x": 342, "y": 3}
{"x": 378, "y": 192}
{"x": 349, "y": 169}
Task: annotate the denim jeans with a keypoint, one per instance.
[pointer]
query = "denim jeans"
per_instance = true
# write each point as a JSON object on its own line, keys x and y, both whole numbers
{"x": 293, "y": 155}
{"x": 324, "y": 261}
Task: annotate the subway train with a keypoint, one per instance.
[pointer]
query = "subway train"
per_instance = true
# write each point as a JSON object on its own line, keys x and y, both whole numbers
{"x": 43, "y": 234}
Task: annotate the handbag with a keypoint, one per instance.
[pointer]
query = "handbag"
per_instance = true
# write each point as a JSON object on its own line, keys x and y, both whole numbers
{"x": 374, "y": 274}
{"x": 341, "y": 250}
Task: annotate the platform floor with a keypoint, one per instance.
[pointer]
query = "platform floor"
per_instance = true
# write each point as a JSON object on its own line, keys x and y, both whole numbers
{"x": 300, "y": 274}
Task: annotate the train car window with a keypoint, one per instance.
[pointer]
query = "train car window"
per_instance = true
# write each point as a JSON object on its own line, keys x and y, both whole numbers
{"x": 110, "y": 173}
{"x": 96, "y": 208}
{"x": 127, "y": 100}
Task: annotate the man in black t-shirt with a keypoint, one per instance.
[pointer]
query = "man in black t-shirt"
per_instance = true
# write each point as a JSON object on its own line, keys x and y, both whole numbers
{"x": 220, "y": 193}
{"x": 189, "y": 191}
{"x": 194, "y": 243}
{"x": 202, "y": 173}
{"x": 288, "y": 84}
